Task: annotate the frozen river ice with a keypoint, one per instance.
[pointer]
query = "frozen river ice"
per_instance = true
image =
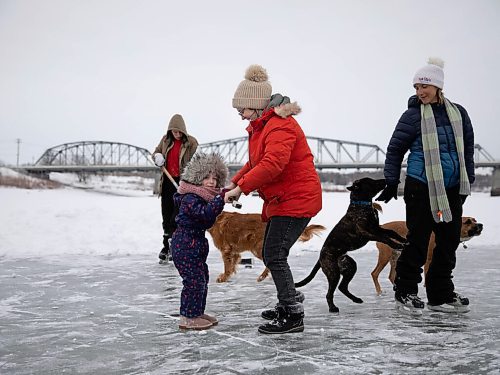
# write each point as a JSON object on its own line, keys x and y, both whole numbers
{"x": 104, "y": 311}
{"x": 107, "y": 315}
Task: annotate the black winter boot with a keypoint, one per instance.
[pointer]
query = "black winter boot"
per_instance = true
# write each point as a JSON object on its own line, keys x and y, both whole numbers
{"x": 163, "y": 254}
{"x": 284, "y": 323}
{"x": 273, "y": 313}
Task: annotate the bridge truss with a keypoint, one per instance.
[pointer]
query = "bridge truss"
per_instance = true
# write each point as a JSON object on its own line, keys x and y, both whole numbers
{"x": 326, "y": 151}
{"x": 91, "y": 153}
{"x": 114, "y": 156}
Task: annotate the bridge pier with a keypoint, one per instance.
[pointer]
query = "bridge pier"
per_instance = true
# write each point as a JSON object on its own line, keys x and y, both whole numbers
{"x": 495, "y": 183}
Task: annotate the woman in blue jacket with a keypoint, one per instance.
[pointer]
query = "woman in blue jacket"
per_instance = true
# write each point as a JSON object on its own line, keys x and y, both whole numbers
{"x": 440, "y": 138}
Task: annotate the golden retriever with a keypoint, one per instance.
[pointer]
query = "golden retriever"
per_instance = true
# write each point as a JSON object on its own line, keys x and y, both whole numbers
{"x": 234, "y": 233}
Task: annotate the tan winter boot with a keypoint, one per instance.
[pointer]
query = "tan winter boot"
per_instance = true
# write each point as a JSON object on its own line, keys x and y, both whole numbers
{"x": 197, "y": 323}
{"x": 212, "y": 319}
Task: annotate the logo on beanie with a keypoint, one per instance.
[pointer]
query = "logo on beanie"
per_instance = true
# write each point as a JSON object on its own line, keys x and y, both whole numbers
{"x": 425, "y": 79}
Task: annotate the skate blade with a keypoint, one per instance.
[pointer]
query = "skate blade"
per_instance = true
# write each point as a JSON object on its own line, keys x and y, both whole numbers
{"x": 449, "y": 309}
{"x": 163, "y": 261}
{"x": 408, "y": 310}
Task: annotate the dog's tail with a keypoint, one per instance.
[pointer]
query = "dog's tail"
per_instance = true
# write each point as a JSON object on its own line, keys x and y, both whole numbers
{"x": 313, "y": 273}
{"x": 310, "y": 231}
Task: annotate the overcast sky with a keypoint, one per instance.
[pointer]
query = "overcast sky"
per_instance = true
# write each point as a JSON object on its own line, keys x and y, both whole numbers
{"x": 117, "y": 70}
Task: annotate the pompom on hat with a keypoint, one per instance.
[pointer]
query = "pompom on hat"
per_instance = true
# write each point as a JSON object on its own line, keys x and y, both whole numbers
{"x": 431, "y": 74}
{"x": 255, "y": 91}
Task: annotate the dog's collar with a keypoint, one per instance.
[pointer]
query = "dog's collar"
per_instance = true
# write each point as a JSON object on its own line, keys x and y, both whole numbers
{"x": 361, "y": 203}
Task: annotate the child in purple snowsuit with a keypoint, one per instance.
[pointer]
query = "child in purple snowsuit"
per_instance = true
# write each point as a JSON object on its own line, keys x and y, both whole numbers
{"x": 200, "y": 200}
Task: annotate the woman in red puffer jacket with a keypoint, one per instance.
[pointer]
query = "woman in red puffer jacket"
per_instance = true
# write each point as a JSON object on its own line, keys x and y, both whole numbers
{"x": 281, "y": 168}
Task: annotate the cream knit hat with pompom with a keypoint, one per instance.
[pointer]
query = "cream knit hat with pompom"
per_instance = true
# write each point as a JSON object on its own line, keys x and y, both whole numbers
{"x": 431, "y": 74}
{"x": 255, "y": 91}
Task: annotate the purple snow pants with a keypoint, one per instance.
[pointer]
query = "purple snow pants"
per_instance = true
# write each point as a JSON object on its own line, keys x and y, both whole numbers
{"x": 189, "y": 252}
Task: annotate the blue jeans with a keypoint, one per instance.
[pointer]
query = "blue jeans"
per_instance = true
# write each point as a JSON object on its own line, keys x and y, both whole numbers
{"x": 281, "y": 233}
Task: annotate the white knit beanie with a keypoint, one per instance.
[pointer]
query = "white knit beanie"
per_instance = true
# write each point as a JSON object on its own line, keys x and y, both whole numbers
{"x": 255, "y": 91}
{"x": 431, "y": 74}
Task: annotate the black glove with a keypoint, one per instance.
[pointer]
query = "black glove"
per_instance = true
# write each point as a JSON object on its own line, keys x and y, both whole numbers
{"x": 390, "y": 191}
{"x": 463, "y": 198}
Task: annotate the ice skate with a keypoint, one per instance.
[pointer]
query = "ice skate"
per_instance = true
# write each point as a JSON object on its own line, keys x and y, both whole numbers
{"x": 409, "y": 303}
{"x": 459, "y": 304}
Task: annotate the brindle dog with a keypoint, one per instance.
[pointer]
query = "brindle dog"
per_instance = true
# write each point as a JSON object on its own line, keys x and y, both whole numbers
{"x": 358, "y": 226}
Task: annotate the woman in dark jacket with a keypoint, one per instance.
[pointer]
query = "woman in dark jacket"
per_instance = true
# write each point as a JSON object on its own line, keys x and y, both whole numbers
{"x": 440, "y": 139}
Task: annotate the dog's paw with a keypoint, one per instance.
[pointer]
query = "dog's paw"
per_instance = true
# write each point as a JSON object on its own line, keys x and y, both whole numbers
{"x": 222, "y": 278}
{"x": 334, "y": 309}
{"x": 357, "y": 300}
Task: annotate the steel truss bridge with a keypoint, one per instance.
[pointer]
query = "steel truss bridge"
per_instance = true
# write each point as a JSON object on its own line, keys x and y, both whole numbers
{"x": 94, "y": 156}
{"x": 100, "y": 156}
{"x": 329, "y": 153}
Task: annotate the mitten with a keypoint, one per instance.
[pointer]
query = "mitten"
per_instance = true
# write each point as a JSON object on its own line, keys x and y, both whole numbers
{"x": 390, "y": 191}
{"x": 159, "y": 159}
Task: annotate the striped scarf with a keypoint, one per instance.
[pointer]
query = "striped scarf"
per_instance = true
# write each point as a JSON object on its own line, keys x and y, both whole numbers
{"x": 437, "y": 193}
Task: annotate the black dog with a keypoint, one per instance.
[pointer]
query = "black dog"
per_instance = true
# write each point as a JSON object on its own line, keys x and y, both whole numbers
{"x": 358, "y": 226}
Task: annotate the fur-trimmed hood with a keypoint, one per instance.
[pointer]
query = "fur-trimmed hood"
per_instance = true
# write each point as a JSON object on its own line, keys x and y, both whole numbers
{"x": 200, "y": 166}
{"x": 288, "y": 109}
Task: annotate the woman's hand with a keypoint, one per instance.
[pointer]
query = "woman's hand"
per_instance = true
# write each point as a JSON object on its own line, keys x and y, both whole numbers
{"x": 232, "y": 195}
{"x": 231, "y": 186}
{"x": 389, "y": 192}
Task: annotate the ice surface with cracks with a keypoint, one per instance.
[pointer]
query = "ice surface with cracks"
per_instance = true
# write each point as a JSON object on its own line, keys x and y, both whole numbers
{"x": 82, "y": 292}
